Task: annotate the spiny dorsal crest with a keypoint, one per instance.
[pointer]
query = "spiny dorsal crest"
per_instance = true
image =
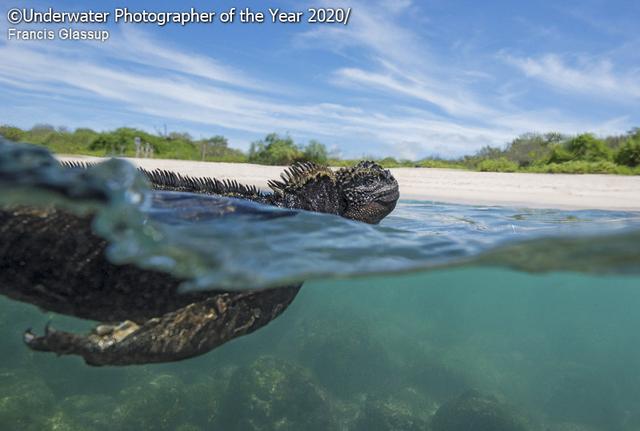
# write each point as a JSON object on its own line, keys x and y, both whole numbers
{"x": 76, "y": 165}
{"x": 162, "y": 179}
{"x": 167, "y": 180}
{"x": 300, "y": 174}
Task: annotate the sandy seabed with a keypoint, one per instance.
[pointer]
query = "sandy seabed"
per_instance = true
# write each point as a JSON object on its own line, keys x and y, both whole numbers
{"x": 564, "y": 191}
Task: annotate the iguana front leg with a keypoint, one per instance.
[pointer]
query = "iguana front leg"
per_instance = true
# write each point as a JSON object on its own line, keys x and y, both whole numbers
{"x": 189, "y": 331}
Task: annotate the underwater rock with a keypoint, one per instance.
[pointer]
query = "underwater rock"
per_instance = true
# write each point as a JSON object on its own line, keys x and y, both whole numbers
{"x": 152, "y": 402}
{"x": 25, "y": 401}
{"x": 273, "y": 394}
{"x": 438, "y": 379}
{"x": 344, "y": 356}
{"x": 189, "y": 427}
{"x": 156, "y": 404}
{"x": 584, "y": 396}
{"x": 568, "y": 426}
{"x": 83, "y": 413}
{"x": 390, "y": 414}
{"x": 473, "y": 411}
{"x": 204, "y": 396}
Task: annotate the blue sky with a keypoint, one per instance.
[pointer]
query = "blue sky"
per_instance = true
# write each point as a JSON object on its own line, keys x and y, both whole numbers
{"x": 404, "y": 78}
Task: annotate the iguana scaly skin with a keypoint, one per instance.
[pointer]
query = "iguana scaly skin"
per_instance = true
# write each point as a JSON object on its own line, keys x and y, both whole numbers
{"x": 364, "y": 192}
{"x": 52, "y": 258}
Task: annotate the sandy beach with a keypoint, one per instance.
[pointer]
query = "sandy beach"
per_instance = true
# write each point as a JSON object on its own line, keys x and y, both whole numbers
{"x": 607, "y": 192}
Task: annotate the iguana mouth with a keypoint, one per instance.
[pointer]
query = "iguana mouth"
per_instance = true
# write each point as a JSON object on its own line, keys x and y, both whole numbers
{"x": 389, "y": 197}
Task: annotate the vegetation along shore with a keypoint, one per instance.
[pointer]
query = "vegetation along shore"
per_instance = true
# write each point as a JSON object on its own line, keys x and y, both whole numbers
{"x": 532, "y": 152}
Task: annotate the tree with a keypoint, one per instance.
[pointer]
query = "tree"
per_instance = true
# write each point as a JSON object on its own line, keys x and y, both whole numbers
{"x": 629, "y": 152}
{"x": 255, "y": 150}
{"x": 179, "y": 136}
{"x": 489, "y": 152}
{"x": 216, "y": 146}
{"x": 103, "y": 142}
{"x": 588, "y": 148}
{"x": 11, "y": 133}
{"x": 316, "y": 152}
{"x": 531, "y": 147}
{"x": 274, "y": 150}
{"x": 559, "y": 154}
{"x": 112, "y": 142}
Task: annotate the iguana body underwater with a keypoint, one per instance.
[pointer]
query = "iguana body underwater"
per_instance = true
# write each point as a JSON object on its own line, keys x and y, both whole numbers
{"x": 52, "y": 258}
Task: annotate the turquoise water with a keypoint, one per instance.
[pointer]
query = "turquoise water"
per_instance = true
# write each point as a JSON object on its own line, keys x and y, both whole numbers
{"x": 444, "y": 317}
{"x": 559, "y": 349}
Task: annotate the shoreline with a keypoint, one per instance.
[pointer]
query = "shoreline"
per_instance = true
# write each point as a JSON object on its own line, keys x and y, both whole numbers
{"x": 530, "y": 190}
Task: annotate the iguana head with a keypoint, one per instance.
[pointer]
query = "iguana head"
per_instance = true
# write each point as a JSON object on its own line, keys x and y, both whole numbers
{"x": 365, "y": 192}
{"x": 370, "y": 192}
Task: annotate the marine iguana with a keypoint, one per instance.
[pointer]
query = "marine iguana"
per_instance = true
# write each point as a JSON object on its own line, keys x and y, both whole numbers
{"x": 364, "y": 192}
{"x": 51, "y": 258}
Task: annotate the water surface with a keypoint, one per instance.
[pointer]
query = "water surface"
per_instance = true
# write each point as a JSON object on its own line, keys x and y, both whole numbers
{"x": 535, "y": 310}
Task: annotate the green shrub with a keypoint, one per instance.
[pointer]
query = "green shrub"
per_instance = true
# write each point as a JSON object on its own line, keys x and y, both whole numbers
{"x": 581, "y": 167}
{"x": 11, "y": 133}
{"x": 389, "y": 162}
{"x": 316, "y": 152}
{"x": 103, "y": 142}
{"x": 559, "y": 154}
{"x": 440, "y": 164}
{"x": 340, "y": 163}
{"x": 551, "y": 152}
{"x": 629, "y": 153}
{"x": 274, "y": 150}
{"x": 531, "y": 148}
{"x": 215, "y": 149}
{"x": 589, "y": 148}
{"x": 278, "y": 150}
{"x": 498, "y": 165}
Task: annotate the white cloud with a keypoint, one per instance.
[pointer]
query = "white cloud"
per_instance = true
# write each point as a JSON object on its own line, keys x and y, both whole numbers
{"x": 378, "y": 26}
{"x": 137, "y": 76}
{"x": 593, "y": 78}
{"x": 164, "y": 88}
{"x": 136, "y": 46}
{"x": 451, "y": 103}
